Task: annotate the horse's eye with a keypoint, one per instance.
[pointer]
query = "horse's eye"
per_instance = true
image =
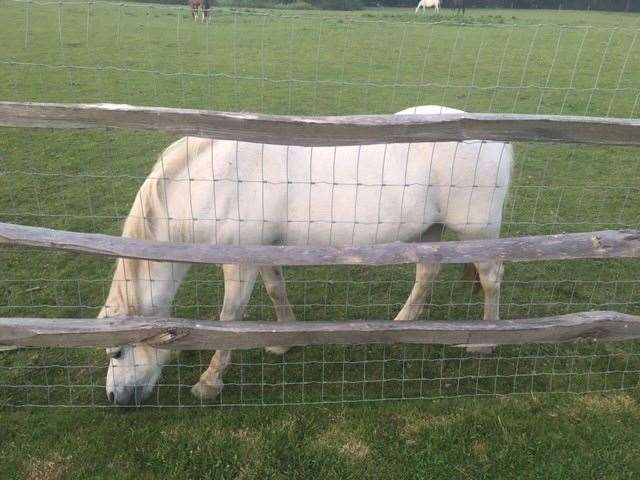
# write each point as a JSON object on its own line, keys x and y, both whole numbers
{"x": 117, "y": 354}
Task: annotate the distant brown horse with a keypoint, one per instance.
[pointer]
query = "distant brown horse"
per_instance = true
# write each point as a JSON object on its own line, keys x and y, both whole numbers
{"x": 203, "y": 5}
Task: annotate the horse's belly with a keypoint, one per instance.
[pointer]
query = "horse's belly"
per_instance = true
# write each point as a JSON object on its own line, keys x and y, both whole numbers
{"x": 323, "y": 214}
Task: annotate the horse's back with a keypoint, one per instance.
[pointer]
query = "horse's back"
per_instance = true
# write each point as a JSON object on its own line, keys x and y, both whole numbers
{"x": 428, "y": 110}
{"x": 225, "y": 191}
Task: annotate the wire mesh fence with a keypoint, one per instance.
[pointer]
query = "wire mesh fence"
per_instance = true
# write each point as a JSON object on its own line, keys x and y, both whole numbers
{"x": 330, "y": 374}
{"x": 314, "y": 63}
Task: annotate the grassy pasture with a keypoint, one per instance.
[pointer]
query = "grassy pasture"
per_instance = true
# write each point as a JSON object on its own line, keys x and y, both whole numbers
{"x": 322, "y": 63}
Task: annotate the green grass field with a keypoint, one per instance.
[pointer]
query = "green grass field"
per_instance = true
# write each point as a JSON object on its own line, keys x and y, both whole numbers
{"x": 513, "y": 420}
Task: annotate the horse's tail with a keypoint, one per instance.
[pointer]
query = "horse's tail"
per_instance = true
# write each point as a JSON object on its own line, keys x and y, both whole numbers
{"x": 205, "y": 7}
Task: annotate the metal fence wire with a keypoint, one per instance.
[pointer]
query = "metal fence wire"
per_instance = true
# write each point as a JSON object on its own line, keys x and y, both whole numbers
{"x": 281, "y": 62}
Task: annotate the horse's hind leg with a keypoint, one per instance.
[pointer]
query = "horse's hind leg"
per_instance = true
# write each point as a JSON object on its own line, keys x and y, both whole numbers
{"x": 277, "y": 290}
{"x": 238, "y": 285}
{"x": 490, "y": 274}
{"x": 426, "y": 273}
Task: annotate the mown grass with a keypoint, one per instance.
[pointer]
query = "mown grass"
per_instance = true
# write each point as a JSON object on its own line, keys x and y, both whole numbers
{"x": 322, "y": 63}
{"x": 586, "y": 437}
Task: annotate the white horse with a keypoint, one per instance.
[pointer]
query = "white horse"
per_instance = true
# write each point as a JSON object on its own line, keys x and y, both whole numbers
{"x": 428, "y": 4}
{"x": 227, "y": 192}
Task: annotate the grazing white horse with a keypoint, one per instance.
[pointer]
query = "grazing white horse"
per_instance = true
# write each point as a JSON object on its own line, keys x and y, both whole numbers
{"x": 227, "y": 192}
{"x": 428, "y": 4}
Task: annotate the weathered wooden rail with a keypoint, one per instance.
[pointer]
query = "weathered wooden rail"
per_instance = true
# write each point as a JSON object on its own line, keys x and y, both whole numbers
{"x": 184, "y": 334}
{"x": 316, "y": 131}
{"x": 177, "y": 334}
{"x": 602, "y": 244}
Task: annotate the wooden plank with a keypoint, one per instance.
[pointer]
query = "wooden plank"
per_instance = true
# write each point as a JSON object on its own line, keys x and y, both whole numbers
{"x": 197, "y": 335}
{"x": 317, "y": 131}
{"x": 602, "y": 244}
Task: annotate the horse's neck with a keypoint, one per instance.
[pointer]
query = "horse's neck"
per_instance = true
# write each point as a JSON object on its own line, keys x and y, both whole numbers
{"x": 141, "y": 287}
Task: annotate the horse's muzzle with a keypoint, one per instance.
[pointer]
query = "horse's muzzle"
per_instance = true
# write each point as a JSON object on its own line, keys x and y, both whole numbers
{"x": 127, "y": 396}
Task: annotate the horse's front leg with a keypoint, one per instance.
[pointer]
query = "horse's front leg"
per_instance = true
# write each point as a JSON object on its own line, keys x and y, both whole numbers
{"x": 238, "y": 285}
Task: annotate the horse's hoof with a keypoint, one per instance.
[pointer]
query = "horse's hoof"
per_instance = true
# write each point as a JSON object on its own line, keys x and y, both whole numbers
{"x": 481, "y": 349}
{"x": 276, "y": 350}
{"x": 207, "y": 391}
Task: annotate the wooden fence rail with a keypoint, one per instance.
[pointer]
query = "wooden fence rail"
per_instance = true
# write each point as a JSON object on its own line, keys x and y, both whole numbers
{"x": 316, "y": 131}
{"x": 177, "y": 334}
{"x": 602, "y": 244}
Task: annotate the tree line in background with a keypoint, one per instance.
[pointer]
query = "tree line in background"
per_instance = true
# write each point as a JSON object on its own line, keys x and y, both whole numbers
{"x": 614, "y": 5}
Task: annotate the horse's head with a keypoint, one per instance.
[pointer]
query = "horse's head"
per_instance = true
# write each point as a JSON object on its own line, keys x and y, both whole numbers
{"x": 133, "y": 372}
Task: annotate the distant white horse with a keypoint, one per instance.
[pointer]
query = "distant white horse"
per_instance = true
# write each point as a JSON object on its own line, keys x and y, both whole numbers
{"x": 229, "y": 193}
{"x": 428, "y": 4}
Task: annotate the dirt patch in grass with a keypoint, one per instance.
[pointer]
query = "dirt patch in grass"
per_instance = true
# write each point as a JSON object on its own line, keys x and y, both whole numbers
{"x": 348, "y": 443}
{"x": 409, "y": 426}
{"x": 480, "y": 449}
{"x": 250, "y": 440}
{"x": 611, "y": 403}
{"x": 53, "y": 468}
{"x": 355, "y": 449}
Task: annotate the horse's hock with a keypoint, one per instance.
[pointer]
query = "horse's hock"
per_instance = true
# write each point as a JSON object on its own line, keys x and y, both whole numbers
{"x": 120, "y": 145}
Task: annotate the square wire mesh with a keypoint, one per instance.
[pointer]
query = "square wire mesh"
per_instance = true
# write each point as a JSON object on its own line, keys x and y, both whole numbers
{"x": 317, "y": 64}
